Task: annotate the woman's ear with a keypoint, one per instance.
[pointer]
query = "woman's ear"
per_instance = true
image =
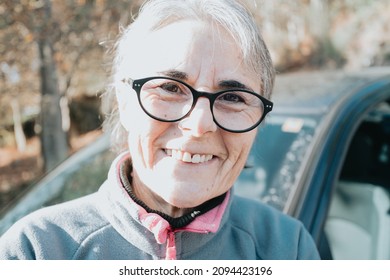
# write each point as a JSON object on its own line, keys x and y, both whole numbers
{"x": 123, "y": 102}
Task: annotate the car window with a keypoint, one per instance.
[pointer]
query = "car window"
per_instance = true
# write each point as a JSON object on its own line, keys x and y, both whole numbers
{"x": 79, "y": 175}
{"x": 358, "y": 223}
{"x": 276, "y": 157}
{"x": 86, "y": 180}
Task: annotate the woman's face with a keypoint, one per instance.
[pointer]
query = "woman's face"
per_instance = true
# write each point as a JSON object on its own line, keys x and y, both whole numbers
{"x": 205, "y": 58}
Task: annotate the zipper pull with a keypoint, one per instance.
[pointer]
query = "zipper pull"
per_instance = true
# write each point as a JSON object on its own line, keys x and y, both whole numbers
{"x": 170, "y": 253}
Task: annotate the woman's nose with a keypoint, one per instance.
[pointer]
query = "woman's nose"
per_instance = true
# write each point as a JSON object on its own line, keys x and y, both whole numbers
{"x": 200, "y": 121}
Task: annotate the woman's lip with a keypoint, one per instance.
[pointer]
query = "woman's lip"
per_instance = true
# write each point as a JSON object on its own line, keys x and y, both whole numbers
{"x": 188, "y": 157}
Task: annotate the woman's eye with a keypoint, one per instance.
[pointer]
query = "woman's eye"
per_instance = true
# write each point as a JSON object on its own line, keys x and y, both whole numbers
{"x": 170, "y": 87}
{"x": 231, "y": 97}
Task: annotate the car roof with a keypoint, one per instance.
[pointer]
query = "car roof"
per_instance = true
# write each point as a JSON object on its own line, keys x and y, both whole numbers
{"x": 314, "y": 92}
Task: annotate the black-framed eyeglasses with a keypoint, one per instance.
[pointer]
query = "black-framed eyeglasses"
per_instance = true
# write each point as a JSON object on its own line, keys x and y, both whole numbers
{"x": 171, "y": 100}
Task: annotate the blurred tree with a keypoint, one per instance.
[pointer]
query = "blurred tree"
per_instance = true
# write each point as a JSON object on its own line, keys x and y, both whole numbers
{"x": 56, "y": 36}
{"x": 54, "y": 144}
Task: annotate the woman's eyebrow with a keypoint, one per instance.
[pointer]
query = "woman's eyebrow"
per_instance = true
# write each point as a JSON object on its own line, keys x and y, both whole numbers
{"x": 228, "y": 84}
{"x": 224, "y": 84}
{"x": 176, "y": 74}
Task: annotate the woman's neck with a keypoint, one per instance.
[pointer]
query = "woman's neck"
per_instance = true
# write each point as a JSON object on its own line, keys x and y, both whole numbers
{"x": 153, "y": 201}
{"x": 177, "y": 217}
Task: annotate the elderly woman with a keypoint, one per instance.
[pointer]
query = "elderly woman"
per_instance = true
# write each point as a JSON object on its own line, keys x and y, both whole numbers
{"x": 192, "y": 79}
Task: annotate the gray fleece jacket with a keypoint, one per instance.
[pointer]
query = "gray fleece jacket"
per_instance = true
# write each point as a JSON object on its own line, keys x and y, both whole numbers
{"x": 110, "y": 225}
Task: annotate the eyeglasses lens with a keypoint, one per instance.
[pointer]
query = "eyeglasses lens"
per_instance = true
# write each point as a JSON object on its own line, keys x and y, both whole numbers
{"x": 171, "y": 100}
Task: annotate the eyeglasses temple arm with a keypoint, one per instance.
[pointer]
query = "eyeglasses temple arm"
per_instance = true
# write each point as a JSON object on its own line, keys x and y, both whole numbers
{"x": 128, "y": 81}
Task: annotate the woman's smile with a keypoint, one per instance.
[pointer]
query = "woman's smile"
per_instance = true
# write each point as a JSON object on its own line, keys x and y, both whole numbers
{"x": 188, "y": 157}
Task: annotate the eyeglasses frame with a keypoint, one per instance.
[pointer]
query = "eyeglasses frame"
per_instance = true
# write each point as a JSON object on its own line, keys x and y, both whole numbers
{"x": 138, "y": 83}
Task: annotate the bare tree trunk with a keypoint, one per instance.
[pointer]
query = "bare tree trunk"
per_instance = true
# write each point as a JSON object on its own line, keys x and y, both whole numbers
{"x": 54, "y": 146}
{"x": 18, "y": 129}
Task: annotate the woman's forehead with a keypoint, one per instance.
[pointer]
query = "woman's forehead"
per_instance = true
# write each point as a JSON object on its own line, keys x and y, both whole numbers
{"x": 191, "y": 47}
{"x": 176, "y": 41}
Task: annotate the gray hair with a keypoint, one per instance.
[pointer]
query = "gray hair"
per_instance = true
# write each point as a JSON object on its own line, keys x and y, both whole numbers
{"x": 229, "y": 14}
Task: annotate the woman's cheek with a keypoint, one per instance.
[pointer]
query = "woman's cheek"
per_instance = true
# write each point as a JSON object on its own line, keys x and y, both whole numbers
{"x": 146, "y": 140}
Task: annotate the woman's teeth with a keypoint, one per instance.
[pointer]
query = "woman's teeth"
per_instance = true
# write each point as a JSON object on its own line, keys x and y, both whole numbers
{"x": 187, "y": 157}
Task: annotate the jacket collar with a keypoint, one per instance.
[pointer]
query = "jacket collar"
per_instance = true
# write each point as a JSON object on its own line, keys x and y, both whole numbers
{"x": 149, "y": 232}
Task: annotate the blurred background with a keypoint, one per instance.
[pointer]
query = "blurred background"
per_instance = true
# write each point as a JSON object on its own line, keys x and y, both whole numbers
{"x": 55, "y": 65}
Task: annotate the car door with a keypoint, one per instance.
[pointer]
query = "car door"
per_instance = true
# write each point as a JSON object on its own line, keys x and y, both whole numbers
{"x": 321, "y": 183}
{"x": 358, "y": 222}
